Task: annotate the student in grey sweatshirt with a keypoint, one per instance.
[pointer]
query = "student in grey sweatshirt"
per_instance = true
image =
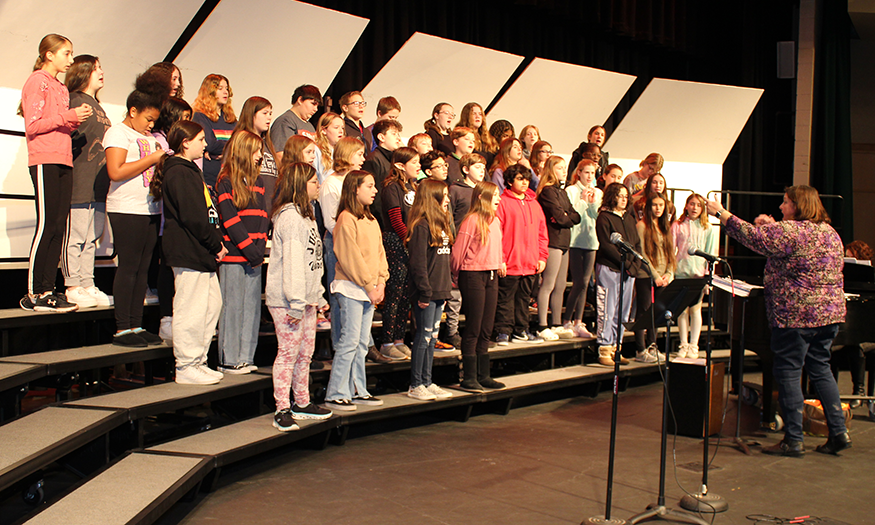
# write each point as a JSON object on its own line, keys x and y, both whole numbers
{"x": 294, "y": 292}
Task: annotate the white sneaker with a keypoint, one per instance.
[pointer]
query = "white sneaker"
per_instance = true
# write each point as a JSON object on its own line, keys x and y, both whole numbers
{"x": 693, "y": 352}
{"x": 101, "y": 298}
{"x": 583, "y": 332}
{"x": 562, "y": 332}
{"x": 438, "y": 391}
{"x": 194, "y": 375}
{"x": 421, "y": 393}
{"x": 165, "y": 329}
{"x": 210, "y": 372}
{"x": 250, "y": 367}
{"x": 682, "y": 351}
{"x": 78, "y": 295}
{"x": 645, "y": 357}
{"x": 654, "y": 351}
{"x": 548, "y": 335}
{"x": 151, "y": 297}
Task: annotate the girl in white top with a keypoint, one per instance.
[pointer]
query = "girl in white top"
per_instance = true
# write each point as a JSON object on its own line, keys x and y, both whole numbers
{"x": 586, "y": 200}
{"x": 349, "y": 155}
{"x": 692, "y": 230}
{"x": 131, "y": 155}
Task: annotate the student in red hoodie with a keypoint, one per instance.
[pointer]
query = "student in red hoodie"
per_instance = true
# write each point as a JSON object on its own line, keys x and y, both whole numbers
{"x": 524, "y": 243}
{"x": 244, "y": 220}
{"x": 48, "y": 121}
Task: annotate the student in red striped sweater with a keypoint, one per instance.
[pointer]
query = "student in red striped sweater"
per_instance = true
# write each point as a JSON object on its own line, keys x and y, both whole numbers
{"x": 244, "y": 221}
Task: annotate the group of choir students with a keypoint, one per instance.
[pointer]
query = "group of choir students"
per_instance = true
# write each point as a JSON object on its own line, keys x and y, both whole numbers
{"x": 464, "y": 218}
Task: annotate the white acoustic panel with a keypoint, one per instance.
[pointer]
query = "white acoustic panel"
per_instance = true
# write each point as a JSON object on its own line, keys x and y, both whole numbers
{"x": 428, "y": 70}
{"x": 563, "y": 100}
{"x": 126, "y": 37}
{"x": 268, "y": 48}
{"x": 684, "y": 121}
{"x": 17, "y": 221}
{"x": 14, "y": 176}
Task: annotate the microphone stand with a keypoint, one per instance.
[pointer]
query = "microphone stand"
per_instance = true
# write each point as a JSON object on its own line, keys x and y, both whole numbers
{"x": 703, "y": 501}
{"x": 606, "y": 519}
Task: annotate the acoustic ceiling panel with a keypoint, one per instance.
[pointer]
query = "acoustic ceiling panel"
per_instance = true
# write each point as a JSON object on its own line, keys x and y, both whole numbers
{"x": 268, "y": 48}
{"x": 427, "y": 70}
{"x": 563, "y": 100}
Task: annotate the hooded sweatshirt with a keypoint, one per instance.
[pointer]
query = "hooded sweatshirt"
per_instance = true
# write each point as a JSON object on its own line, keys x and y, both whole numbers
{"x": 294, "y": 275}
{"x": 192, "y": 238}
{"x": 524, "y": 232}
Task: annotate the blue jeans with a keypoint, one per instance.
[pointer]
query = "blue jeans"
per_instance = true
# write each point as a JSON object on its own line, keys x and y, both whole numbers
{"x": 330, "y": 262}
{"x": 241, "y": 313}
{"x": 348, "y": 368}
{"x": 808, "y": 347}
{"x": 428, "y": 322}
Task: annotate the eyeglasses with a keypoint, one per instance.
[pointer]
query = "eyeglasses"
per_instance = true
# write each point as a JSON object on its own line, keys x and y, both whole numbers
{"x": 439, "y": 166}
{"x": 447, "y": 113}
{"x": 359, "y": 103}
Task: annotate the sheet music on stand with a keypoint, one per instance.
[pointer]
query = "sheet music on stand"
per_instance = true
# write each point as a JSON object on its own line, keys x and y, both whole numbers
{"x": 735, "y": 286}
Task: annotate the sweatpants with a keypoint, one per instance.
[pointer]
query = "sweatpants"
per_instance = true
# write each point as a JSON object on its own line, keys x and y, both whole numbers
{"x": 134, "y": 237}
{"x": 197, "y": 304}
{"x": 84, "y": 227}
{"x": 479, "y": 300}
{"x": 53, "y": 191}
{"x": 512, "y": 312}
{"x": 295, "y": 344}
{"x": 552, "y": 291}
{"x": 607, "y": 293}
{"x": 452, "y": 307}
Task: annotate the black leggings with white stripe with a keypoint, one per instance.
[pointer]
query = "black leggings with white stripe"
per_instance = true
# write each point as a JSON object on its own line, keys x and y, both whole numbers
{"x": 53, "y": 192}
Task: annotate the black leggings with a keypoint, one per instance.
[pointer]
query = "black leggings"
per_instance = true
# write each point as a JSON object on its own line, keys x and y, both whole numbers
{"x": 53, "y": 192}
{"x": 643, "y": 300}
{"x": 581, "y": 263}
{"x": 479, "y": 299}
{"x": 134, "y": 237}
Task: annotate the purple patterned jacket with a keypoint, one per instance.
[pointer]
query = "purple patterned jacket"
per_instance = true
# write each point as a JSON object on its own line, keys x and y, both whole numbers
{"x": 804, "y": 286}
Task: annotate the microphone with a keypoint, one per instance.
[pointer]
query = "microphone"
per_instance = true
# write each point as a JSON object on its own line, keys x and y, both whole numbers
{"x": 692, "y": 250}
{"x": 624, "y": 246}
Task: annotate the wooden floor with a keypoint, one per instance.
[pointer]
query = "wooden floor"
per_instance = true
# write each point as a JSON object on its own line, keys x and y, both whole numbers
{"x": 545, "y": 463}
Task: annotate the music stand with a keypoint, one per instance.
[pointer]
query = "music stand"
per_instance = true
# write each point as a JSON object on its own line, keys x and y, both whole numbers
{"x": 669, "y": 302}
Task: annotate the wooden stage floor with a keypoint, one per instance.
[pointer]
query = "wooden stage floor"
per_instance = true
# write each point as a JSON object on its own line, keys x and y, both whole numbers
{"x": 544, "y": 463}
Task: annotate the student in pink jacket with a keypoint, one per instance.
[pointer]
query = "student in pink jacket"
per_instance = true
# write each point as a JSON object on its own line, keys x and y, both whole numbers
{"x": 48, "y": 122}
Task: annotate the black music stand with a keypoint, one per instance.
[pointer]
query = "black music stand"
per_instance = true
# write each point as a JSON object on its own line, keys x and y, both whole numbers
{"x": 669, "y": 302}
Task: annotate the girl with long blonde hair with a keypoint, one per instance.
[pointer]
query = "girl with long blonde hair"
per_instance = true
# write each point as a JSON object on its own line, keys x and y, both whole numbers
{"x": 329, "y": 130}
{"x": 430, "y": 243}
{"x": 245, "y": 224}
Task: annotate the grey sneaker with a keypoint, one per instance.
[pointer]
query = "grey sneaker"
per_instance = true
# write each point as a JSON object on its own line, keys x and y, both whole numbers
{"x": 391, "y": 352}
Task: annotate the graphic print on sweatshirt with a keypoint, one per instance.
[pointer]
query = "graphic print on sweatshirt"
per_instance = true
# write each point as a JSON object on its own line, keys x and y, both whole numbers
{"x": 314, "y": 247}
{"x": 145, "y": 149}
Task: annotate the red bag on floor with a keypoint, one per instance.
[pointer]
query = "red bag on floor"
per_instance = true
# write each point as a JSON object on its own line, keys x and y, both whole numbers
{"x": 814, "y": 422}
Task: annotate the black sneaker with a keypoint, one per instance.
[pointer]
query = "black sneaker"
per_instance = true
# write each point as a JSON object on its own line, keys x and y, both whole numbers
{"x": 52, "y": 302}
{"x": 310, "y": 411}
{"x": 367, "y": 400}
{"x": 344, "y": 405}
{"x": 284, "y": 422}
{"x": 26, "y": 303}
{"x": 130, "y": 340}
{"x": 149, "y": 337}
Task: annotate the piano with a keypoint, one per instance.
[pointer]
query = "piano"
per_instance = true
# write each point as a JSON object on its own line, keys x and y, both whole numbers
{"x": 859, "y": 327}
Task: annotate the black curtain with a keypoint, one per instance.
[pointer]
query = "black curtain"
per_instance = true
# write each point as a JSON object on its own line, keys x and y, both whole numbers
{"x": 831, "y": 170}
{"x": 720, "y": 42}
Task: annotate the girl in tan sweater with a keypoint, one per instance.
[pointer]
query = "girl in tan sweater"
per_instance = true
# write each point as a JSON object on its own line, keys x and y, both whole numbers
{"x": 359, "y": 284}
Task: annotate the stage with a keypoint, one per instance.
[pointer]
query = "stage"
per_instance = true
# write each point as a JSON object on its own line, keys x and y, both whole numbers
{"x": 544, "y": 463}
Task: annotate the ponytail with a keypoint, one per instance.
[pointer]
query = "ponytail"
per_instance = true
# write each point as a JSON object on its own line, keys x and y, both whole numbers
{"x": 50, "y": 43}
{"x": 181, "y": 131}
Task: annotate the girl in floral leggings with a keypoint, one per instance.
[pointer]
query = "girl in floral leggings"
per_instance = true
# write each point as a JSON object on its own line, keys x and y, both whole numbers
{"x": 294, "y": 292}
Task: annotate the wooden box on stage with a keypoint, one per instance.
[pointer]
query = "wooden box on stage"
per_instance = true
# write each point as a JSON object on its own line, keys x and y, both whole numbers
{"x": 688, "y": 397}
